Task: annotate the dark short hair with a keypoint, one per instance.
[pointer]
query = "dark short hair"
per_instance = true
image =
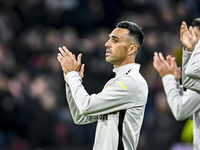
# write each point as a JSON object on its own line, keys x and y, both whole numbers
{"x": 134, "y": 30}
{"x": 196, "y": 22}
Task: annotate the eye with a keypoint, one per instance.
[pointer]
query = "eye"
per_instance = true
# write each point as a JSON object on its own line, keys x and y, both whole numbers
{"x": 115, "y": 40}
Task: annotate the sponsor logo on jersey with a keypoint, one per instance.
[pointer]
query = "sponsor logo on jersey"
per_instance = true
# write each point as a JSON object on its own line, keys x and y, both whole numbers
{"x": 103, "y": 117}
{"x": 122, "y": 85}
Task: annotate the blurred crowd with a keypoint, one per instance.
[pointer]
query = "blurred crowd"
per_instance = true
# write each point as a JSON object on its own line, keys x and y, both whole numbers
{"x": 33, "y": 109}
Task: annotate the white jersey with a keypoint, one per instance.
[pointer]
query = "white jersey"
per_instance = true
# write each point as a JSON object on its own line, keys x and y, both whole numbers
{"x": 118, "y": 108}
{"x": 191, "y": 80}
{"x": 183, "y": 106}
{"x": 191, "y": 69}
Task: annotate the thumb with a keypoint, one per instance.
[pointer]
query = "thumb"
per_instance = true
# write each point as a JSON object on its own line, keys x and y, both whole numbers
{"x": 191, "y": 31}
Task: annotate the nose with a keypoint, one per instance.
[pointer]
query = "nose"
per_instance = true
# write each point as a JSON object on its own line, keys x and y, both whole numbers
{"x": 108, "y": 44}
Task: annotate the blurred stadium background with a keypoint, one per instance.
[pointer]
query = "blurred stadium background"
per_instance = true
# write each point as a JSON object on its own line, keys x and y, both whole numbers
{"x": 33, "y": 110}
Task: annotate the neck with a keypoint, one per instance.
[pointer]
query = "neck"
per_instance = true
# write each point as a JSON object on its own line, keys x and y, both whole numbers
{"x": 124, "y": 63}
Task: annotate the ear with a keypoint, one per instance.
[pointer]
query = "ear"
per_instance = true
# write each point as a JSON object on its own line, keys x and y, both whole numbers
{"x": 132, "y": 49}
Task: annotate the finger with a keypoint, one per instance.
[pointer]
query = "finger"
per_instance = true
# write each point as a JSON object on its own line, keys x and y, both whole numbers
{"x": 62, "y": 52}
{"x": 60, "y": 58}
{"x": 156, "y": 59}
{"x": 156, "y": 56}
{"x": 183, "y": 28}
{"x": 174, "y": 62}
{"x": 74, "y": 56}
{"x": 168, "y": 59}
{"x": 163, "y": 63}
{"x": 81, "y": 72}
{"x": 155, "y": 65}
{"x": 174, "y": 65}
{"x": 69, "y": 54}
{"x": 179, "y": 70}
{"x": 79, "y": 58}
{"x": 156, "y": 62}
{"x": 191, "y": 31}
{"x": 184, "y": 25}
{"x": 161, "y": 57}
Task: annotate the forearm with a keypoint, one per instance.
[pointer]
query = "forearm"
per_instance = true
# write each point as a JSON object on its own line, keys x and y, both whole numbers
{"x": 173, "y": 96}
{"x": 181, "y": 106}
{"x": 78, "y": 119}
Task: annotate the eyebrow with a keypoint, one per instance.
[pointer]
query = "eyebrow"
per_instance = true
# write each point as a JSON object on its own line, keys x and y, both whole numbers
{"x": 113, "y": 37}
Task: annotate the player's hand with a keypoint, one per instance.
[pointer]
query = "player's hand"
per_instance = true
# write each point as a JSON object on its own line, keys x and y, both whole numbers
{"x": 176, "y": 70}
{"x": 69, "y": 63}
{"x": 161, "y": 65}
{"x": 187, "y": 37}
{"x": 81, "y": 70}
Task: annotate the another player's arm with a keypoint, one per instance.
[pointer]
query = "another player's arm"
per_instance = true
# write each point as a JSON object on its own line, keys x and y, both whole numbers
{"x": 188, "y": 81}
{"x": 193, "y": 66}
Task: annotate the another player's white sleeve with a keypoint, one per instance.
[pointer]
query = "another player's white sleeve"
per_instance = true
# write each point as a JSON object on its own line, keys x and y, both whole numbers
{"x": 185, "y": 58}
{"x": 193, "y": 66}
{"x": 77, "y": 117}
{"x": 188, "y": 82}
{"x": 182, "y": 106}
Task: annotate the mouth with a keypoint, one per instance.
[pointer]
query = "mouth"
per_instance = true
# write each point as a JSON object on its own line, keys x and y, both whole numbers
{"x": 108, "y": 53}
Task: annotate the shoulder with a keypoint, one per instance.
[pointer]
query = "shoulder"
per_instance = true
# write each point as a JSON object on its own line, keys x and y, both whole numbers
{"x": 130, "y": 81}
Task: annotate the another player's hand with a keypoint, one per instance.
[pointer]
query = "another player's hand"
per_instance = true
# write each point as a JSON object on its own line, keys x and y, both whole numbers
{"x": 176, "y": 70}
{"x": 187, "y": 37}
{"x": 161, "y": 65}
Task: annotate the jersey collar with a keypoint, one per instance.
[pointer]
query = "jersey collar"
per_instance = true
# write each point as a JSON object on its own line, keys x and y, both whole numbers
{"x": 125, "y": 68}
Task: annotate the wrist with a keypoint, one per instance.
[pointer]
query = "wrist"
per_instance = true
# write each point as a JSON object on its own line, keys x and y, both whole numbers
{"x": 188, "y": 49}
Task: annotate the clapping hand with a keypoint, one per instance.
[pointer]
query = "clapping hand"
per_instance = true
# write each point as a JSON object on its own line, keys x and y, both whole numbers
{"x": 69, "y": 63}
{"x": 167, "y": 66}
{"x": 187, "y": 37}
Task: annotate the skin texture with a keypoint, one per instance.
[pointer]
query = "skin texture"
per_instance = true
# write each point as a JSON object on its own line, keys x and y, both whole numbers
{"x": 120, "y": 50}
{"x": 197, "y": 32}
{"x": 167, "y": 66}
{"x": 69, "y": 62}
{"x": 188, "y": 37}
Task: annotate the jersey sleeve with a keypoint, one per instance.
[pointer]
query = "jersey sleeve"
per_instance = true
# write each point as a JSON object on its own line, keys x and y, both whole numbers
{"x": 193, "y": 66}
{"x": 121, "y": 94}
{"x": 188, "y": 81}
{"x": 185, "y": 58}
{"x": 182, "y": 106}
{"x": 77, "y": 117}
